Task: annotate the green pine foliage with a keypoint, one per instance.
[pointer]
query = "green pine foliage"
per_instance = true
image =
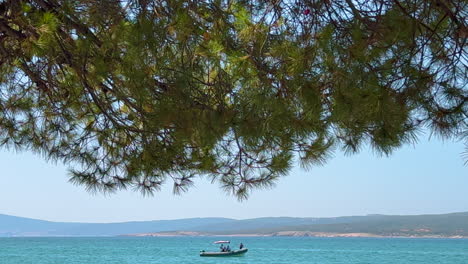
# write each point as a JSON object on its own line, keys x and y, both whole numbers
{"x": 132, "y": 94}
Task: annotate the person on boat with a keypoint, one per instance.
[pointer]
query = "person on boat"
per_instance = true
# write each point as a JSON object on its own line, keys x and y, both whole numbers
{"x": 222, "y": 248}
{"x": 241, "y": 246}
{"x": 228, "y": 249}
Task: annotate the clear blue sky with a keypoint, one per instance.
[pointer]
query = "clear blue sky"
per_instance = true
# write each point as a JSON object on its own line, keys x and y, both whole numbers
{"x": 428, "y": 177}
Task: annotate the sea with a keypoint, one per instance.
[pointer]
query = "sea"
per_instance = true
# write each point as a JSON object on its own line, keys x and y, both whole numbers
{"x": 280, "y": 250}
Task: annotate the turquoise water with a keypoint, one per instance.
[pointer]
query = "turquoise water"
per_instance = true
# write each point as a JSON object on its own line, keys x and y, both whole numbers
{"x": 178, "y": 250}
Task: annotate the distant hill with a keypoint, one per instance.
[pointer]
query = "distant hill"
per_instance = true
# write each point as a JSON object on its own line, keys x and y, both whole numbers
{"x": 442, "y": 225}
{"x": 19, "y": 226}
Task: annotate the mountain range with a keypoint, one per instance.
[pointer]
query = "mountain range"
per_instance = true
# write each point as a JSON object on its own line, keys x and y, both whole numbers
{"x": 435, "y": 225}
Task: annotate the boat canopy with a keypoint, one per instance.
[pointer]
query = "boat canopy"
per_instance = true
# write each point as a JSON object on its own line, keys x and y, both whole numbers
{"x": 222, "y": 242}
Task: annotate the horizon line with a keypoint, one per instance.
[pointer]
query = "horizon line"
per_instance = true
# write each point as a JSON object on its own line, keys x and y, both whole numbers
{"x": 236, "y": 219}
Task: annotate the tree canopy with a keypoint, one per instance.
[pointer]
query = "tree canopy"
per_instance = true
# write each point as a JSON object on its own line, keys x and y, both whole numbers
{"x": 132, "y": 94}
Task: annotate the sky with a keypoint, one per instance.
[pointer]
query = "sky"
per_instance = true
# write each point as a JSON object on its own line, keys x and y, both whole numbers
{"x": 428, "y": 177}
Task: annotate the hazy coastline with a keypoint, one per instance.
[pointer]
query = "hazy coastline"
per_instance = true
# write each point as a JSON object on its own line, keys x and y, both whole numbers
{"x": 453, "y": 225}
{"x": 288, "y": 234}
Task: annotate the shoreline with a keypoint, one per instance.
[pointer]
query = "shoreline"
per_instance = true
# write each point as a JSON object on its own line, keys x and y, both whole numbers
{"x": 290, "y": 234}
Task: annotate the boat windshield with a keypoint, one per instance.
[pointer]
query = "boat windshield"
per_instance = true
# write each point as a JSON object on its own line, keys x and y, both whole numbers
{"x": 222, "y": 242}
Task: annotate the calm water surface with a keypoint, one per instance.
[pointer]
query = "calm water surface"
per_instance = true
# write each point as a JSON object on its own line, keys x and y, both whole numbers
{"x": 178, "y": 250}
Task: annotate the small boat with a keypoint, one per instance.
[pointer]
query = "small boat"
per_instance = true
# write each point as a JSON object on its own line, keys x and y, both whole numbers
{"x": 239, "y": 252}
